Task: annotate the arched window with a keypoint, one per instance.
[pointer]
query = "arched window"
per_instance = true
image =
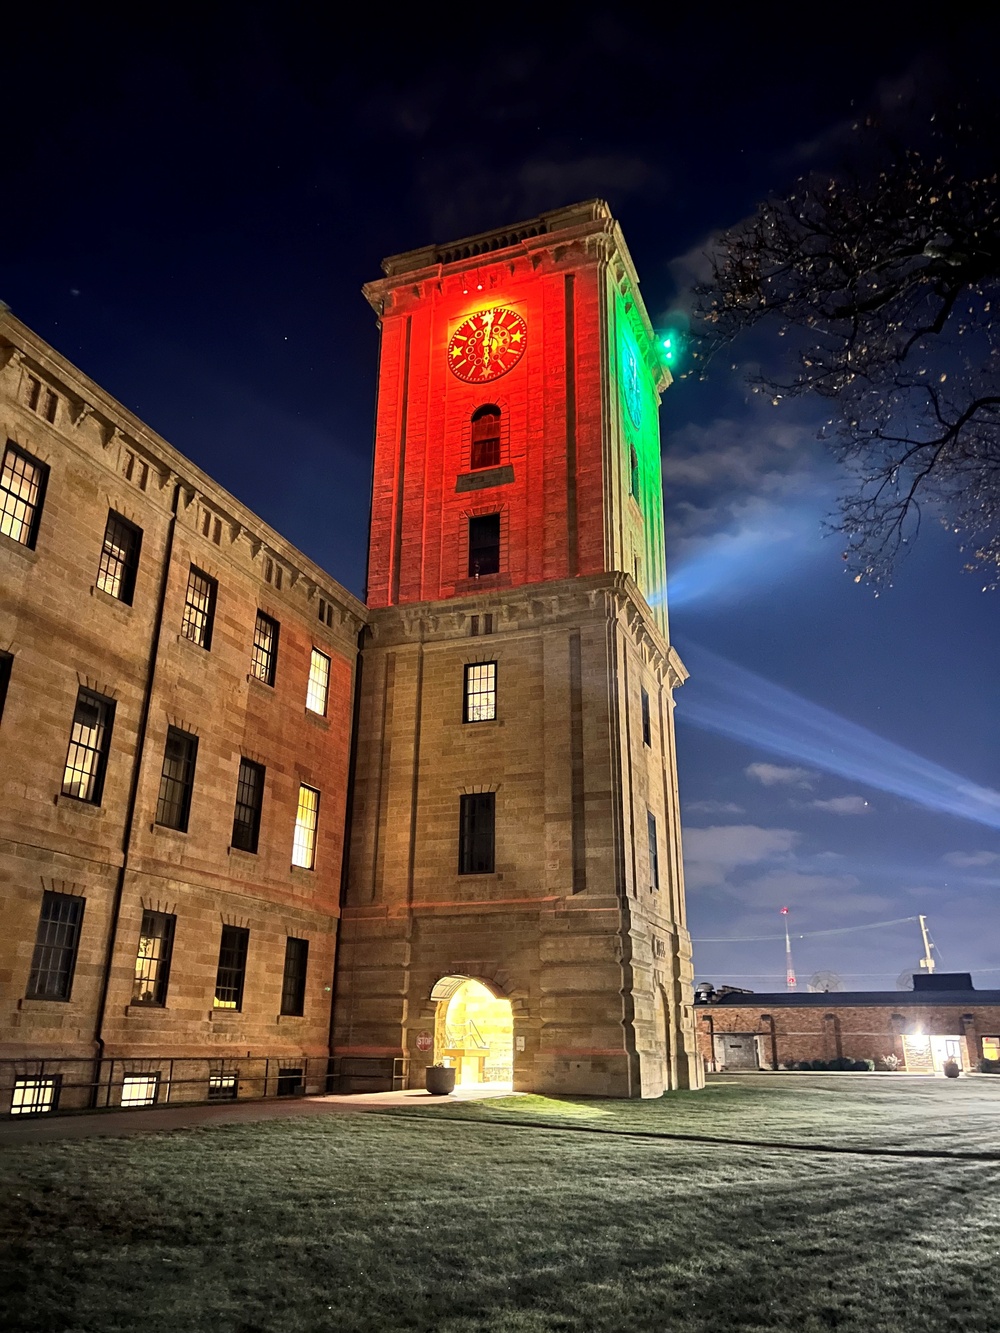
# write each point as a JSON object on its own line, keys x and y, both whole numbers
{"x": 485, "y": 436}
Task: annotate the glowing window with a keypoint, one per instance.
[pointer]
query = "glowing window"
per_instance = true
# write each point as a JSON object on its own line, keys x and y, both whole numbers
{"x": 232, "y": 968}
{"x": 152, "y": 959}
{"x": 54, "y": 959}
{"x": 991, "y": 1048}
{"x": 264, "y": 661}
{"x": 173, "y": 806}
{"x": 485, "y": 437}
{"x": 199, "y": 608}
{"x": 35, "y": 1096}
{"x": 480, "y": 692}
{"x": 140, "y": 1089}
{"x": 89, "y": 742}
{"x": 306, "y": 821}
{"x": 222, "y": 1087}
{"x": 22, "y": 490}
{"x": 119, "y": 558}
{"x": 318, "y": 689}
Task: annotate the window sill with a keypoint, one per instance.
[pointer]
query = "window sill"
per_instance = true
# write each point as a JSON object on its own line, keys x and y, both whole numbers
{"x": 320, "y": 720}
{"x": 255, "y": 682}
{"x": 123, "y": 608}
{"x": 484, "y": 582}
{"x": 143, "y": 1007}
{"x": 302, "y": 871}
{"x": 215, "y": 1014}
{"x": 26, "y": 552}
{"x": 92, "y": 809}
{"x": 485, "y": 478}
{"x": 195, "y": 647}
{"x": 483, "y": 724}
{"x": 166, "y": 828}
{"x": 242, "y": 851}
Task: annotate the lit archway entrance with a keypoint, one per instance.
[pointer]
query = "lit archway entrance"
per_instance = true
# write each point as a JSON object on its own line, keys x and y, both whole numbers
{"x": 474, "y": 1033}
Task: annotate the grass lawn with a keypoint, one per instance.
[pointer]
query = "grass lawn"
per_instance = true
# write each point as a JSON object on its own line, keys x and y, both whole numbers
{"x": 489, "y": 1219}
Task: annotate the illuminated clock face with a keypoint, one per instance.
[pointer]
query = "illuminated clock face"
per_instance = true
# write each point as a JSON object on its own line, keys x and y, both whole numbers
{"x": 631, "y": 388}
{"x": 487, "y": 345}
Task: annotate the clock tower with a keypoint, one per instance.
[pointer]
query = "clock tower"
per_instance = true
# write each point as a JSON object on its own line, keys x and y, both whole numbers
{"x": 514, "y": 901}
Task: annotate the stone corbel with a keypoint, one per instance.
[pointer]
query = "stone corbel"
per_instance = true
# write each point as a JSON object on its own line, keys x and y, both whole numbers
{"x": 83, "y": 413}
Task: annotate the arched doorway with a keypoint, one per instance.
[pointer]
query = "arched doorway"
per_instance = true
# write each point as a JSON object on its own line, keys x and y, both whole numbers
{"x": 474, "y": 1032}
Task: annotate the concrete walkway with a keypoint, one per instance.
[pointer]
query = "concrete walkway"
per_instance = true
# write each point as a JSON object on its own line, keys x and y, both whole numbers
{"x": 154, "y": 1119}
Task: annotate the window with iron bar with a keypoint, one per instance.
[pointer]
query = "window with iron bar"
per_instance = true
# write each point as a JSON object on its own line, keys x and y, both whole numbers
{"x": 232, "y": 968}
{"x": 223, "y": 1087}
{"x": 140, "y": 1089}
{"x": 22, "y": 490}
{"x": 89, "y": 743}
{"x": 56, "y": 943}
{"x": 119, "y": 558}
{"x": 199, "y": 608}
{"x": 306, "y": 821}
{"x": 36, "y": 1096}
{"x": 249, "y": 801}
{"x": 173, "y": 806}
{"x": 480, "y": 692}
{"x": 293, "y": 985}
{"x": 264, "y": 661}
{"x": 318, "y": 689}
{"x": 152, "y": 960}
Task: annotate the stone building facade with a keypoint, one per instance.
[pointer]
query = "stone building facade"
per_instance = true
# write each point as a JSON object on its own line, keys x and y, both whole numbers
{"x": 178, "y": 695}
{"x": 943, "y": 1017}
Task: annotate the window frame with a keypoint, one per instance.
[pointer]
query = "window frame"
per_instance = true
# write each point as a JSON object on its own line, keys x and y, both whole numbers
{"x": 164, "y": 801}
{"x": 91, "y": 778}
{"x": 484, "y": 442}
{"x": 32, "y": 506}
{"x": 477, "y": 833}
{"x": 157, "y": 976}
{"x": 231, "y": 975}
{"x": 153, "y": 1082}
{"x": 481, "y": 552}
{"x": 264, "y": 655}
{"x": 305, "y": 836}
{"x": 313, "y": 693}
{"x": 470, "y": 694}
{"x": 647, "y": 731}
{"x": 128, "y": 561}
{"x": 246, "y": 832}
{"x": 293, "y": 980}
{"x": 654, "y": 852}
{"x": 40, "y": 1083}
{"x": 198, "y": 621}
{"x": 52, "y": 957}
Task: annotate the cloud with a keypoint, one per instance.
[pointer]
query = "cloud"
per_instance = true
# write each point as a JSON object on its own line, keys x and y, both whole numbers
{"x": 712, "y": 808}
{"x": 966, "y": 860}
{"x": 780, "y": 775}
{"x": 842, "y": 805}
{"x": 711, "y": 853}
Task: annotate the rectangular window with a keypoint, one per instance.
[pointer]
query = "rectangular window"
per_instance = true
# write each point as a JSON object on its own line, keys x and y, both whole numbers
{"x": 318, "y": 689}
{"x": 476, "y": 834}
{"x": 484, "y": 545}
{"x": 199, "y": 608}
{"x": 177, "y": 779}
{"x": 89, "y": 742}
{"x": 41, "y": 400}
{"x": 140, "y": 1089}
{"x": 222, "y": 1087}
{"x": 633, "y": 483}
{"x": 232, "y": 968}
{"x": 646, "y": 733}
{"x": 991, "y": 1048}
{"x": 293, "y": 986}
{"x": 654, "y": 859}
{"x": 6, "y": 664}
{"x": 486, "y": 437}
{"x": 306, "y": 821}
{"x": 249, "y": 799}
{"x": 35, "y": 1096}
{"x": 264, "y": 662}
{"x": 290, "y": 1082}
{"x": 119, "y": 558}
{"x": 56, "y": 943}
{"x": 480, "y": 692}
{"x": 152, "y": 960}
{"x": 22, "y": 491}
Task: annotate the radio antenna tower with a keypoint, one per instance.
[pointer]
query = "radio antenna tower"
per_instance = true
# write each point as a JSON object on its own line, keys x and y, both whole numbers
{"x": 928, "y": 960}
{"x": 790, "y": 982}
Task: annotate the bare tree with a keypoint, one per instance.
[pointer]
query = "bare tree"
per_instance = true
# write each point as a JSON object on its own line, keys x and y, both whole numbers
{"x": 884, "y": 280}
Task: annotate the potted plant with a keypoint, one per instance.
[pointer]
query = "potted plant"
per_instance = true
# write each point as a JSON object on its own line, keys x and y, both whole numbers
{"x": 439, "y": 1080}
{"x": 951, "y": 1069}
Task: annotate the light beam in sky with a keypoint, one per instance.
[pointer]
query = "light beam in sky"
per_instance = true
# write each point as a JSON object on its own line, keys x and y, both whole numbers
{"x": 734, "y": 702}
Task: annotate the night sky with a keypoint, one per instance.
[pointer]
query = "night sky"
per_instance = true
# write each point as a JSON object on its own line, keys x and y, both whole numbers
{"x": 191, "y": 210}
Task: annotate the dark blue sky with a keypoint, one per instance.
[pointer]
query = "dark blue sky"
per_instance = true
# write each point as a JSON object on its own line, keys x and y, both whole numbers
{"x": 191, "y": 210}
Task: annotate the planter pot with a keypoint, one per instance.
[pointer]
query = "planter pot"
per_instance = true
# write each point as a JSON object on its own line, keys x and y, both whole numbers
{"x": 439, "y": 1080}
{"x": 951, "y": 1069}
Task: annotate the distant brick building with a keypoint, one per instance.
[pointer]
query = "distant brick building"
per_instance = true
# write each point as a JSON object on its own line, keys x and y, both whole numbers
{"x": 178, "y": 701}
{"x": 942, "y": 1018}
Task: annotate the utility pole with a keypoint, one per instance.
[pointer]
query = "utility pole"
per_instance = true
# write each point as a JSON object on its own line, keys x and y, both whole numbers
{"x": 927, "y": 962}
{"x": 790, "y": 982}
